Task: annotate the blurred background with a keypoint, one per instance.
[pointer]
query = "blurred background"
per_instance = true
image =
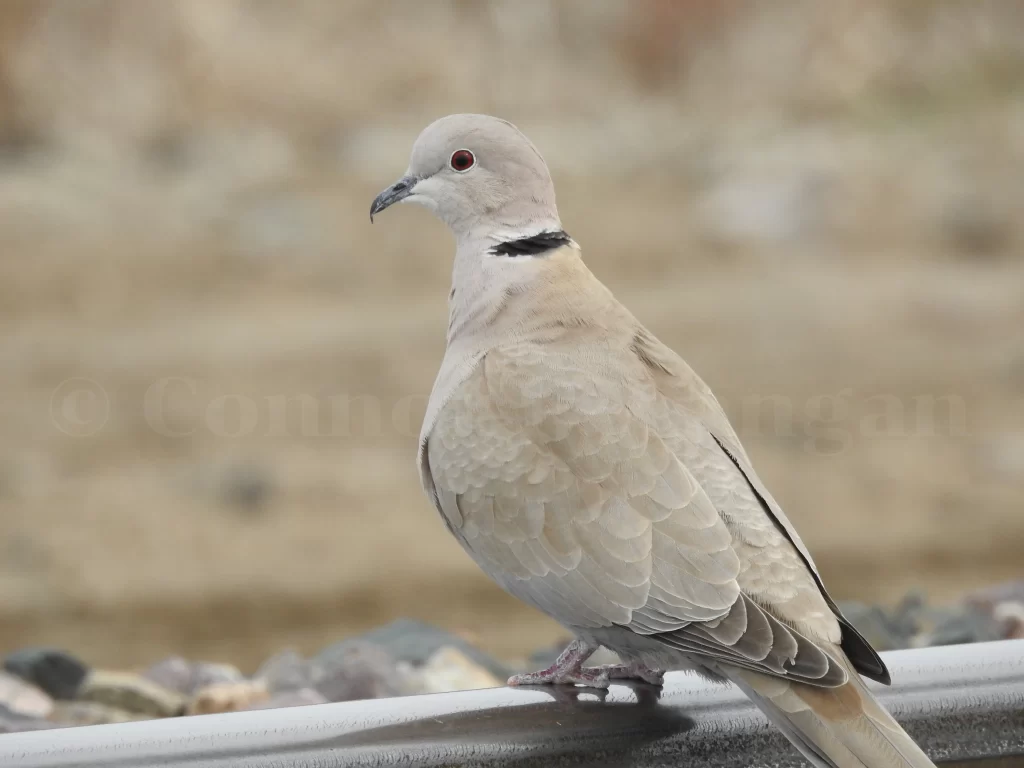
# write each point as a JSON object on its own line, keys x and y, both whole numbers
{"x": 213, "y": 368}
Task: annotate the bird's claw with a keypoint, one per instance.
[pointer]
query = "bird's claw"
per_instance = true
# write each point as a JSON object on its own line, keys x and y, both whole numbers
{"x": 568, "y": 669}
{"x": 591, "y": 677}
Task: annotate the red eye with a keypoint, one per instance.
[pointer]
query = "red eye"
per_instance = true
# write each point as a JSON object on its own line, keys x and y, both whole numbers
{"x": 462, "y": 160}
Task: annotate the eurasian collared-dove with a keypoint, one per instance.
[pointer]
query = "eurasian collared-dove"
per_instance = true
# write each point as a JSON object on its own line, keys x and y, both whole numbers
{"x": 589, "y": 471}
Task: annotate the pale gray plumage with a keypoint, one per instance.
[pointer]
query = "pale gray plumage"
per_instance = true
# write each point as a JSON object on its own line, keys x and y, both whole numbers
{"x": 588, "y": 470}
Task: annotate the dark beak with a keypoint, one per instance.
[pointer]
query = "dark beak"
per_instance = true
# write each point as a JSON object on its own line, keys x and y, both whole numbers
{"x": 400, "y": 190}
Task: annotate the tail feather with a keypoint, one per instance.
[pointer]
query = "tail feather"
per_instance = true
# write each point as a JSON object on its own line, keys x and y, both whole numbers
{"x": 843, "y": 727}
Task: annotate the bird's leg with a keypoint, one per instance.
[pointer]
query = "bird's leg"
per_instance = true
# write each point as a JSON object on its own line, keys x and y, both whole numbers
{"x": 568, "y": 669}
{"x": 634, "y": 670}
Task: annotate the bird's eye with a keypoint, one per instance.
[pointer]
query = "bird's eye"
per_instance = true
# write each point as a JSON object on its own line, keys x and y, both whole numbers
{"x": 462, "y": 160}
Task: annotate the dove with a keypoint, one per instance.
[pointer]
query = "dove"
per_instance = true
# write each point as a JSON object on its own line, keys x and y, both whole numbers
{"x": 586, "y": 468}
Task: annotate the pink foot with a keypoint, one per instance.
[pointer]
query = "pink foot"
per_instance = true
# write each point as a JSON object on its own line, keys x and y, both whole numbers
{"x": 593, "y": 677}
{"x": 568, "y": 669}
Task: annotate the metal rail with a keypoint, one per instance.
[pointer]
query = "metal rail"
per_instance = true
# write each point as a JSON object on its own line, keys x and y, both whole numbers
{"x": 964, "y": 705}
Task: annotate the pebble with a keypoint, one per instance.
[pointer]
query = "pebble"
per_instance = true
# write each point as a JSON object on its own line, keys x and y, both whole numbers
{"x": 187, "y": 677}
{"x": 357, "y": 671}
{"x": 208, "y": 673}
{"x": 132, "y": 693}
{"x": 286, "y": 671}
{"x": 362, "y": 671}
{"x": 1010, "y": 618}
{"x": 1009, "y": 591}
{"x": 57, "y": 672}
{"x": 915, "y": 624}
{"x": 18, "y": 697}
{"x": 905, "y": 619}
{"x": 449, "y": 669}
{"x": 300, "y": 698}
{"x": 961, "y": 625}
{"x": 228, "y": 697}
{"x": 173, "y": 673}
{"x": 1005, "y": 604}
{"x": 402, "y": 658}
{"x": 13, "y": 722}
{"x": 878, "y": 627}
{"x": 415, "y": 642}
{"x": 91, "y": 713}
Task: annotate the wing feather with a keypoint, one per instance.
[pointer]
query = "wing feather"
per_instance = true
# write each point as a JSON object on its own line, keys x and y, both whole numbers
{"x": 590, "y": 497}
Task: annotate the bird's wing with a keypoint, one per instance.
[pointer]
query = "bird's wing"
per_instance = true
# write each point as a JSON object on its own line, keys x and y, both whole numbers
{"x": 767, "y": 539}
{"x": 547, "y": 463}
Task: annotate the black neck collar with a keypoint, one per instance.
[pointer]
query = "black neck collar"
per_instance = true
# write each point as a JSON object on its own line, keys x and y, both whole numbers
{"x": 534, "y": 245}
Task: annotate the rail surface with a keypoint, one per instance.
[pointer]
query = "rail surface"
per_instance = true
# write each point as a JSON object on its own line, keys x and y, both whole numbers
{"x": 964, "y": 705}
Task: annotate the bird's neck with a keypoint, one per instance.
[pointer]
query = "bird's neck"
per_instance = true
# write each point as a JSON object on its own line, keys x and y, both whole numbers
{"x": 524, "y": 297}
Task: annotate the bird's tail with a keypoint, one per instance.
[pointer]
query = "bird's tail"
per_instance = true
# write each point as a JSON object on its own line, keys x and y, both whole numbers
{"x": 842, "y": 727}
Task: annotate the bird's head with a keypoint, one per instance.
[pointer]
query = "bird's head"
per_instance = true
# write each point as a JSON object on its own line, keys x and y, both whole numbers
{"x": 477, "y": 172}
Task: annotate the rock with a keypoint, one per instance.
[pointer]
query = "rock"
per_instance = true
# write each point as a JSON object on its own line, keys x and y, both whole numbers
{"x": 1009, "y": 591}
{"x": 58, "y": 673}
{"x": 300, "y": 698}
{"x": 960, "y": 625}
{"x": 914, "y": 624}
{"x": 415, "y": 642}
{"x": 91, "y": 713}
{"x": 905, "y": 619}
{"x": 132, "y": 693}
{"x": 13, "y": 722}
{"x": 185, "y": 677}
{"x": 1005, "y": 604}
{"x": 1010, "y": 618}
{"x": 357, "y": 671}
{"x": 228, "y": 697}
{"x": 173, "y": 673}
{"x": 877, "y": 627}
{"x": 961, "y": 629}
{"x": 362, "y": 671}
{"x": 207, "y": 673}
{"x": 449, "y": 669}
{"x": 286, "y": 671}
{"x": 20, "y": 698}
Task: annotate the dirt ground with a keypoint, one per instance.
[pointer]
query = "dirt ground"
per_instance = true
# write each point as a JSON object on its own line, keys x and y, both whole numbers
{"x": 213, "y": 368}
